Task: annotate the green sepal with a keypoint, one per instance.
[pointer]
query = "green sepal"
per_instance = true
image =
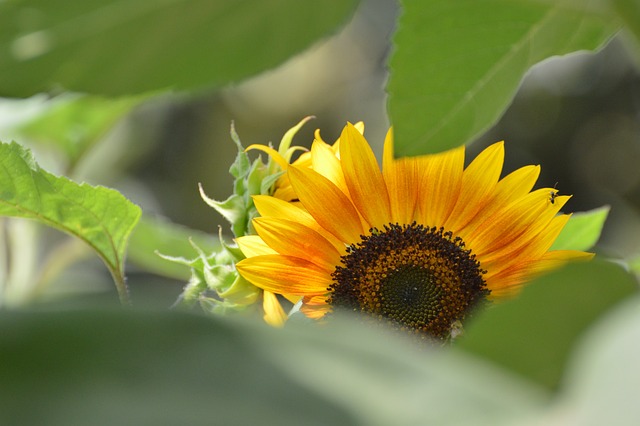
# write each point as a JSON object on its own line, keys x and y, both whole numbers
{"x": 219, "y": 307}
{"x": 266, "y": 186}
{"x": 194, "y": 288}
{"x": 214, "y": 277}
{"x": 255, "y": 177}
{"x": 215, "y": 282}
{"x": 240, "y": 166}
{"x": 233, "y": 209}
{"x": 233, "y": 253}
{"x": 219, "y": 277}
{"x": 252, "y": 215}
{"x": 241, "y": 291}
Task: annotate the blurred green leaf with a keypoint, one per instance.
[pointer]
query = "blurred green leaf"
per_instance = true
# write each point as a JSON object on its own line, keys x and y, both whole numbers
{"x": 75, "y": 123}
{"x": 387, "y": 380}
{"x": 133, "y": 46}
{"x": 533, "y": 334}
{"x": 100, "y": 216}
{"x": 603, "y": 382}
{"x": 457, "y": 64}
{"x": 157, "y": 235}
{"x": 110, "y": 367}
{"x": 629, "y": 12}
{"x": 634, "y": 264}
{"x": 582, "y": 231}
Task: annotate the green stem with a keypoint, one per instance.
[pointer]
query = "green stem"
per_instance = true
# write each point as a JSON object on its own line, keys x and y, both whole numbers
{"x": 121, "y": 285}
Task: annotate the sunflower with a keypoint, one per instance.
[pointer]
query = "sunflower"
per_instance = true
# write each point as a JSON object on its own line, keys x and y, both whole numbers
{"x": 418, "y": 244}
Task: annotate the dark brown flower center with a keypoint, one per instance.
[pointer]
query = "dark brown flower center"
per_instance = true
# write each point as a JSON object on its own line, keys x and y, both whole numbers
{"x": 418, "y": 279}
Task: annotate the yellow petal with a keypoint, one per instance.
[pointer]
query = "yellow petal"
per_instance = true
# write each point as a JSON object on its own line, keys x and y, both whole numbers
{"x": 539, "y": 219}
{"x": 294, "y": 239}
{"x": 364, "y": 178}
{"x": 271, "y": 152}
{"x": 304, "y": 160}
{"x": 329, "y": 206}
{"x": 274, "y": 315}
{"x": 317, "y": 136}
{"x": 315, "y": 307}
{"x": 325, "y": 162}
{"x": 285, "y": 142}
{"x": 529, "y": 214}
{"x": 478, "y": 183}
{"x": 285, "y": 274}
{"x": 253, "y": 245}
{"x": 512, "y": 187}
{"x": 510, "y": 280}
{"x": 285, "y": 193}
{"x": 525, "y": 249}
{"x": 272, "y": 207}
{"x": 269, "y": 206}
{"x": 291, "y": 298}
{"x": 336, "y": 145}
{"x": 440, "y": 188}
{"x": 403, "y": 182}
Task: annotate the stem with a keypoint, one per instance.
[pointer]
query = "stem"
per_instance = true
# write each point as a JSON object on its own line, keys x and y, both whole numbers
{"x": 4, "y": 258}
{"x": 121, "y": 285}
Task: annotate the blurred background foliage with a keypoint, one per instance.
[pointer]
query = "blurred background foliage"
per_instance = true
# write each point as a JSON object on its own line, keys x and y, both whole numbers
{"x": 264, "y": 66}
{"x": 576, "y": 115}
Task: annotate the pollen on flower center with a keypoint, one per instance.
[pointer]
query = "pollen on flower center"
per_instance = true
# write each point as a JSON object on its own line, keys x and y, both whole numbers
{"x": 416, "y": 278}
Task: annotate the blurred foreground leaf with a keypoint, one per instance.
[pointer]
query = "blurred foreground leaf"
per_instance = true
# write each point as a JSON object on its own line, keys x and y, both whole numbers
{"x": 629, "y": 12}
{"x": 533, "y": 334}
{"x": 582, "y": 231}
{"x": 603, "y": 382}
{"x": 457, "y": 64}
{"x": 100, "y": 216}
{"x": 146, "y": 368}
{"x": 73, "y": 124}
{"x": 133, "y": 46}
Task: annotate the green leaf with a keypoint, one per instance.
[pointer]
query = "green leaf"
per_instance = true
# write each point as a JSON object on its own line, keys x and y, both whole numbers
{"x": 634, "y": 264}
{"x": 457, "y": 64}
{"x": 629, "y": 12}
{"x": 75, "y": 123}
{"x": 107, "y": 368}
{"x": 132, "y": 46}
{"x": 582, "y": 231}
{"x": 603, "y": 381}
{"x": 157, "y": 235}
{"x": 101, "y": 217}
{"x": 533, "y": 334}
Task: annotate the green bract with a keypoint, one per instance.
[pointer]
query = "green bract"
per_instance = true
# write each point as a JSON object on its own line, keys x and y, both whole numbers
{"x": 215, "y": 283}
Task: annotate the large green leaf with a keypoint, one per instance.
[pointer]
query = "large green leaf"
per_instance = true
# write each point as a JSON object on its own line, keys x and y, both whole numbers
{"x": 629, "y": 12}
{"x": 131, "y": 46}
{"x": 457, "y": 64}
{"x": 603, "y": 382}
{"x": 100, "y": 216}
{"x": 533, "y": 334}
{"x": 149, "y": 368}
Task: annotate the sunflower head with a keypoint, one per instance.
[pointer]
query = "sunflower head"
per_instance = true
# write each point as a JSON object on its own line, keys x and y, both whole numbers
{"x": 416, "y": 244}
{"x": 417, "y": 279}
